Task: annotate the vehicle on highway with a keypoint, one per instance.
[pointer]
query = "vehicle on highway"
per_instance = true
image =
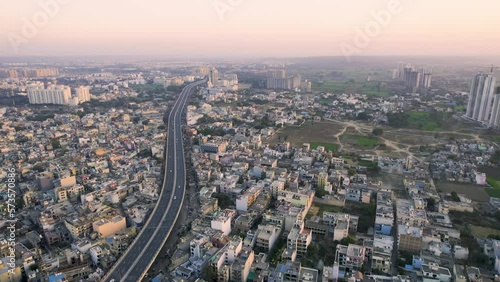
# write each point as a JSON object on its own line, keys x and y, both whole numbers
{"x": 175, "y": 197}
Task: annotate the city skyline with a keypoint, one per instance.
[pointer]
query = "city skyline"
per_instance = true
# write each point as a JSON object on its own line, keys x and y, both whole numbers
{"x": 221, "y": 28}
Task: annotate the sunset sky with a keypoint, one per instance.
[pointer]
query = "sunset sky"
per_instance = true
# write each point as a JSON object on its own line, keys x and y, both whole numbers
{"x": 252, "y": 28}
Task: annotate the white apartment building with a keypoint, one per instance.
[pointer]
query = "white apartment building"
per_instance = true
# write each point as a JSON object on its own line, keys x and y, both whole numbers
{"x": 223, "y": 221}
{"x": 83, "y": 94}
{"x": 53, "y": 94}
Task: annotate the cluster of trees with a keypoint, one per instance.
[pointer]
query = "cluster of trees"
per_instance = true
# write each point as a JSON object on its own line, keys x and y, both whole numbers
{"x": 495, "y": 159}
{"x": 41, "y": 117}
{"x": 363, "y": 116}
{"x": 206, "y": 120}
{"x": 56, "y": 144}
{"x": 224, "y": 201}
{"x": 399, "y": 119}
{"x": 213, "y": 131}
{"x": 377, "y": 131}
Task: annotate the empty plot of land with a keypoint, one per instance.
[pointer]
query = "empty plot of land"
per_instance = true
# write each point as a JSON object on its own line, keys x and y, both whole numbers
{"x": 483, "y": 232}
{"x": 317, "y": 209}
{"x": 319, "y": 132}
{"x": 360, "y": 140}
{"x": 473, "y": 192}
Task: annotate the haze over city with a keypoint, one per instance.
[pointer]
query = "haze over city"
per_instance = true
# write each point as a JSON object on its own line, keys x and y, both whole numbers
{"x": 257, "y": 28}
{"x": 249, "y": 141}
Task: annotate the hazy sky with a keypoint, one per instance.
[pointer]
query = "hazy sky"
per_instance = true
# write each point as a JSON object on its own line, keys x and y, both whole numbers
{"x": 249, "y": 28}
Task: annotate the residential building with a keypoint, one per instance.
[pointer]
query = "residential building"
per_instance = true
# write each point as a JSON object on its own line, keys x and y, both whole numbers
{"x": 53, "y": 94}
{"x": 267, "y": 236}
{"x": 409, "y": 238}
{"x": 108, "y": 227}
{"x": 481, "y": 98}
{"x": 348, "y": 260}
{"x": 223, "y": 221}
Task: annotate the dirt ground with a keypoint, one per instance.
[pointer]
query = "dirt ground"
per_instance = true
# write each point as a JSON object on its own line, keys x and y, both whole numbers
{"x": 473, "y": 192}
{"x": 395, "y": 142}
{"x": 323, "y": 132}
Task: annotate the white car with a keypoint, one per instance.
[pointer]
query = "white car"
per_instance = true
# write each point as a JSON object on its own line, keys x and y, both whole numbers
{"x": 175, "y": 197}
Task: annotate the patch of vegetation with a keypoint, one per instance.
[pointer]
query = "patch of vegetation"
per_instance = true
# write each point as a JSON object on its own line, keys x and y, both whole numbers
{"x": 223, "y": 201}
{"x": 476, "y": 256}
{"x": 148, "y": 88}
{"x": 377, "y": 131}
{"x": 495, "y": 193}
{"x": 276, "y": 251}
{"x": 312, "y": 255}
{"x": 495, "y": 159}
{"x": 213, "y": 131}
{"x": 493, "y": 182}
{"x": 347, "y": 240}
{"x": 369, "y": 88}
{"x": 328, "y": 146}
{"x": 146, "y": 153}
{"x": 429, "y": 121}
{"x": 360, "y": 140}
{"x": 40, "y": 117}
{"x": 366, "y": 213}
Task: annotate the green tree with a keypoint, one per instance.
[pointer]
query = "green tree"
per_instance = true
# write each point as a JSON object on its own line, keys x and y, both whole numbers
{"x": 363, "y": 116}
{"x": 55, "y": 144}
{"x": 495, "y": 159}
{"x": 320, "y": 193}
{"x": 351, "y": 171}
{"x": 377, "y": 131}
{"x": 347, "y": 240}
{"x": 431, "y": 204}
{"x": 454, "y": 196}
{"x": 80, "y": 114}
{"x": 399, "y": 119}
{"x": 210, "y": 274}
{"x": 19, "y": 203}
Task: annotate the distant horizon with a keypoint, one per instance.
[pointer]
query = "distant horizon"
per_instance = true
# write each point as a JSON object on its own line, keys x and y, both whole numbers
{"x": 217, "y": 58}
{"x": 249, "y": 29}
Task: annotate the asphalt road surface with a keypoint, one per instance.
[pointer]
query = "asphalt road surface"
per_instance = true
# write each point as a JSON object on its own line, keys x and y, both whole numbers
{"x": 135, "y": 262}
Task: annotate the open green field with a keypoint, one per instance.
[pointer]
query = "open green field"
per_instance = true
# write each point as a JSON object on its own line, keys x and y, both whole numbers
{"x": 318, "y": 133}
{"x": 369, "y": 88}
{"x": 494, "y": 182}
{"x": 422, "y": 120}
{"x": 494, "y": 138}
{"x": 328, "y": 146}
{"x": 483, "y": 232}
{"x": 360, "y": 140}
{"x": 473, "y": 192}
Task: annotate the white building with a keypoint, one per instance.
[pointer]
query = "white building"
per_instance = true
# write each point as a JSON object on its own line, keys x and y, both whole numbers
{"x": 492, "y": 249}
{"x": 267, "y": 236}
{"x": 53, "y": 94}
{"x": 83, "y": 94}
{"x": 95, "y": 254}
{"x": 481, "y": 99}
{"x": 434, "y": 272}
{"x": 223, "y": 221}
